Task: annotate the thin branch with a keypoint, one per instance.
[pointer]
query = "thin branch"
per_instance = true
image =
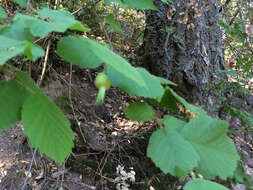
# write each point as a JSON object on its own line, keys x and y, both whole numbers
{"x": 28, "y": 4}
{"x": 45, "y": 63}
{"x": 30, "y": 168}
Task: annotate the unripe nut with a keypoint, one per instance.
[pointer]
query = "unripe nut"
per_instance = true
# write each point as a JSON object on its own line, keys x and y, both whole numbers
{"x": 102, "y": 80}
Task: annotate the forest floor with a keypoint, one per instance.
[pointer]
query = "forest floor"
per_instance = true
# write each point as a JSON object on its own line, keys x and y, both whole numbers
{"x": 105, "y": 141}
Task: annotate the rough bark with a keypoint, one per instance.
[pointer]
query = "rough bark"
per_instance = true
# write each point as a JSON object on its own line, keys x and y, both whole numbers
{"x": 192, "y": 53}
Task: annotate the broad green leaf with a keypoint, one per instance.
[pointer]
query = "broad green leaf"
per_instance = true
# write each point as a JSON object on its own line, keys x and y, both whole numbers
{"x": 203, "y": 136}
{"x": 120, "y": 65}
{"x": 76, "y": 51}
{"x": 140, "y": 4}
{"x": 18, "y": 40}
{"x": 21, "y": 3}
{"x": 27, "y": 83}
{"x": 218, "y": 155}
{"x": 139, "y": 111}
{"x": 113, "y": 23}
{"x": 61, "y": 20}
{"x": 37, "y": 27}
{"x": 132, "y": 80}
{"x": 150, "y": 88}
{"x": 33, "y": 51}
{"x": 10, "y": 48}
{"x": 173, "y": 123}
{"x": 113, "y": 60}
{"x": 201, "y": 184}
{"x": 47, "y": 127}
{"x": 17, "y": 31}
{"x": 3, "y": 14}
{"x": 44, "y": 122}
{"x": 12, "y": 97}
{"x": 170, "y": 151}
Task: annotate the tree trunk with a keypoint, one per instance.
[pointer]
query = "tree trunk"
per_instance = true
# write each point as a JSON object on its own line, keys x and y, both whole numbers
{"x": 182, "y": 42}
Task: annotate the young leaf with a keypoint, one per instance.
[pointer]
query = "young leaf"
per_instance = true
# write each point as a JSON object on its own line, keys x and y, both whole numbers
{"x": 201, "y": 184}
{"x": 170, "y": 151}
{"x": 139, "y": 111}
{"x": 3, "y": 14}
{"x": 12, "y": 97}
{"x": 218, "y": 155}
{"x": 47, "y": 127}
{"x": 113, "y": 23}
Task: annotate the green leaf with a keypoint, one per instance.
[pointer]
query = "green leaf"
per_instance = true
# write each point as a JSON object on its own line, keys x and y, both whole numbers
{"x": 173, "y": 123}
{"x": 140, "y": 4}
{"x": 89, "y": 53}
{"x": 209, "y": 150}
{"x": 150, "y": 88}
{"x": 170, "y": 151}
{"x": 193, "y": 109}
{"x": 218, "y": 155}
{"x": 167, "y": 1}
{"x": 27, "y": 83}
{"x": 113, "y": 23}
{"x": 17, "y": 31}
{"x": 21, "y": 3}
{"x": 12, "y": 97}
{"x": 10, "y": 48}
{"x": 44, "y": 123}
{"x": 75, "y": 50}
{"x": 168, "y": 101}
{"x": 240, "y": 175}
{"x": 201, "y": 184}
{"x": 3, "y": 14}
{"x": 139, "y": 111}
{"x": 61, "y": 20}
{"x": 17, "y": 40}
{"x": 47, "y": 127}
